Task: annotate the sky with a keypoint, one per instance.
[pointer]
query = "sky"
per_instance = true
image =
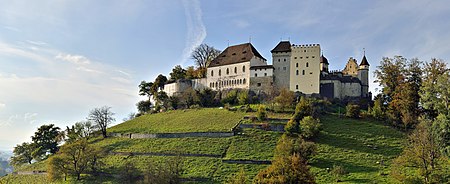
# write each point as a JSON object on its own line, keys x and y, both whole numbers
{"x": 61, "y": 58}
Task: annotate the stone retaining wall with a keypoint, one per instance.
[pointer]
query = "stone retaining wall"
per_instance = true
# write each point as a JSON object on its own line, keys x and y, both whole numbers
{"x": 165, "y": 154}
{"x": 172, "y": 135}
{"x": 268, "y": 127}
{"x": 258, "y": 162}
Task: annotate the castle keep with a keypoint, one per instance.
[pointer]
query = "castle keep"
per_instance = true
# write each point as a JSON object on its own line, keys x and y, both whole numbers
{"x": 299, "y": 68}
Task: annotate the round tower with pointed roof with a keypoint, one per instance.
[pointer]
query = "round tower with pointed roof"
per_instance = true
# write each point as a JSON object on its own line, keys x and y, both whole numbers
{"x": 363, "y": 75}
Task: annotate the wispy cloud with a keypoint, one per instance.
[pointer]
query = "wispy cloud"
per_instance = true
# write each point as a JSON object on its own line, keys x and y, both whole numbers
{"x": 196, "y": 31}
{"x": 75, "y": 59}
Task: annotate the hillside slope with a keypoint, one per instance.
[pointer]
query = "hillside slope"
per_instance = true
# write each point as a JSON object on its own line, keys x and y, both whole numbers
{"x": 364, "y": 148}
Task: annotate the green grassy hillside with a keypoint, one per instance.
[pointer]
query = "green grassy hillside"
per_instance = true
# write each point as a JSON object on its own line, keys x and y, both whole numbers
{"x": 364, "y": 148}
{"x": 192, "y": 120}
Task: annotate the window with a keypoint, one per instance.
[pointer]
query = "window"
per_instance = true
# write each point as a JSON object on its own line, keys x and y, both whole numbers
{"x": 284, "y": 68}
{"x": 284, "y": 60}
{"x": 259, "y": 84}
{"x": 295, "y": 57}
{"x": 313, "y": 56}
{"x": 307, "y": 64}
{"x": 220, "y": 72}
{"x": 310, "y": 73}
{"x": 265, "y": 74}
{"x": 296, "y": 86}
{"x": 212, "y": 73}
{"x": 307, "y": 57}
{"x": 243, "y": 68}
{"x": 303, "y": 72}
{"x": 296, "y": 72}
{"x": 305, "y": 50}
{"x": 235, "y": 69}
{"x": 256, "y": 75}
{"x": 296, "y": 65}
{"x": 243, "y": 81}
{"x": 228, "y": 71}
{"x": 240, "y": 81}
{"x": 301, "y": 57}
{"x": 278, "y": 68}
{"x": 278, "y": 60}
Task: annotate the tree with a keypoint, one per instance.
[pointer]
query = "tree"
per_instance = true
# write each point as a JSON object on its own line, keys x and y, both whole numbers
{"x": 290, "y": 164}
{"x": 429, "y": 91}
{"x": 192, "y": 73}
{"x": 177, "y": 73}
{"x": 74, "y": 158}
{"x": 159, "y": 83}
{"x": 261, "y": 114}
{"x": 422, "y": 155}
{"x": 310, "y": 127}
{"x": 352, "y": 111}
{"x": 162, "y": 100}
{"x": 239, "y": 178}
{"x": 57, "y": 166}
{"x": 102, "y": 117}
{"x": 22, "y": 154}
{"x": 145, "y": 89}
{"x": 203, "y": 55}
{"x": 144, "y": 106}
{"x": 83, "y": 129}
{"x": 243, "y": 97}
{"x": 189, "y": 97}
{"x": 285, "y": 99}
{"x": 441, "y": 131}
{"x": 46, "y": 139}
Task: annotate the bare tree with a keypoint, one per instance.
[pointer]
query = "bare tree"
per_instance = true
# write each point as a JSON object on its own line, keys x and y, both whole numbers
{"x": 204, "y": 54}
{"x": 102, "y": 117}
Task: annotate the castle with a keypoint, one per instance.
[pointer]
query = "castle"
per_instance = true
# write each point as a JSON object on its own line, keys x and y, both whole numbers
{"x": 299, "y": 68}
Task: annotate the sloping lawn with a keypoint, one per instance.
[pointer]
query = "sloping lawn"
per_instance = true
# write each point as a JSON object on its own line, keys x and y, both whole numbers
{"x": 192, "y": 120}
{"x": 253, "y": 144}
{"x": 365, "y": 148}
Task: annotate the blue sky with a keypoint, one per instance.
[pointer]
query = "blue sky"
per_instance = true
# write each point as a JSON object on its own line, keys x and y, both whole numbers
{"x": 59, "y": 59}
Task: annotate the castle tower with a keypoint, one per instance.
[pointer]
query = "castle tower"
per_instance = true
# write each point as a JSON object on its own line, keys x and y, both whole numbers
{"x": 281, "y": 59}
{"x": 363, "y": 76}
{"x": 305, "y": 69}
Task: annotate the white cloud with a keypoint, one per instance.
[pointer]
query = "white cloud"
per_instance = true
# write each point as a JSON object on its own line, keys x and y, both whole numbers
{"x": 196, "y": 30}
{"x": 38, "y": 43}
{"x": 76, "y": 59}
{"x": 2, "y": 105}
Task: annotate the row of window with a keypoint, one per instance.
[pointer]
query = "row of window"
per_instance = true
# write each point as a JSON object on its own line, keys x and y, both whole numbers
{"x": 307, "y": 64}
{"x": 303, "y": 72}
{"x": 226, "y": 83}
{"x": 265, "y": 75}
{"x": 228, "y": 71}
{"x": 307, "y": 57}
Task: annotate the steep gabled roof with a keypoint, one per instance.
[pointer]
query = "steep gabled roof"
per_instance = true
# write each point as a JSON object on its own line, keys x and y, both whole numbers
{"x": 364, "y": 61}
{"x": 236, "y": 54}
{"x": 283, "y": 46}
{"x": 324, "y": 60}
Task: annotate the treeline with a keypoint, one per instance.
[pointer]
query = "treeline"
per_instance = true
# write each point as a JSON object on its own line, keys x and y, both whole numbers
{"x": 415, "y": 96}
{"x": 76, "y": 156}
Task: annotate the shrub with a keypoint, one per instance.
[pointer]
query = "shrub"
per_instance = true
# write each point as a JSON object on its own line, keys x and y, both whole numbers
{"x": 353, "y": 111}
{"x": 338, "y": 172}
{"x": 243, "y": 97}
{"x": 261, "y": 114}
{"x": 310, "y": 127}
{"x": 292, "y": 127}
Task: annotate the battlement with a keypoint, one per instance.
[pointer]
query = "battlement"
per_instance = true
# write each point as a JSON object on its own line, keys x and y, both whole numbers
{"x": 305, "y": 46}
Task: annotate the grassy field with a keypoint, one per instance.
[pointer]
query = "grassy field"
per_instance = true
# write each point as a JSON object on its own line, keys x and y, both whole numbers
{"x": 364, "y": 148}
{"x": 192, "y": 120}
{"x": 253, "y": 144}
{"x": 196, "y": 145}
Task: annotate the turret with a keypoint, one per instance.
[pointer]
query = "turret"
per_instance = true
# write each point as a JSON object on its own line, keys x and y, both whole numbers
{"x": 324, "y": 65}
{"x": 363, "y": 75}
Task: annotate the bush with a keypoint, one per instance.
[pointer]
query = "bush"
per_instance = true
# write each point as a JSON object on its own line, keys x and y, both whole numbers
{"x": 338, "y": 172}
{"x": 353, "y": 111}
{"x": 261, "y": 114}
{"x": 292, "y": 127}
{"x": 243, "y": 97}
{"x": 310, "y": 127}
